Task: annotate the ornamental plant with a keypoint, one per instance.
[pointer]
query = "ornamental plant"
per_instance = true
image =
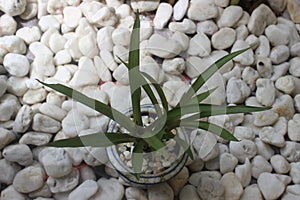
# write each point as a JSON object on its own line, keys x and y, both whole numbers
{"x": 187, "y": 113}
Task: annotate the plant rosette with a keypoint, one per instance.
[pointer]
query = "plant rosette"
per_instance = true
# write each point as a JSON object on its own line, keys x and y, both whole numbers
{"x": 158, "y": 166}
{"x": 143, "y": 138}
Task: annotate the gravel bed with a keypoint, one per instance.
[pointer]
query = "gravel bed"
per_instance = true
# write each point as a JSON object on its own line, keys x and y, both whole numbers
{"x": 76, "y": 43}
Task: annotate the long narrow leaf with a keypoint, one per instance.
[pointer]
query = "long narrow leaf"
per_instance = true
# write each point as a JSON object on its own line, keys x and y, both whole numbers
{"x": 208, "y": 73}
{"x": 133, "y": 67}
{"x": 137, "y": 159}
{"x": 213, "y": 128}
{"x": 185, "y": 146}
{"x": 94, "y": 104}
{"x": 94, "y": 140}
{"x": 200, "y": 97}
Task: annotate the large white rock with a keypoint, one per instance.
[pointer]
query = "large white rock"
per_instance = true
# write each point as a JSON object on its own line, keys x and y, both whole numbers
{"x": 188, "y": 192}
{"x": 233, "y": 187}
{"x": 243, "y": 173}
{"x": 276, "y": 36}
{"x": 104, "y": 38}
{"x": 227, "y": 162}
{"x": 201, "y": 10}
{"x": 13, "y": 7}
{"x": 210, "y": 187}
{"x": 252, "y": 191}
{"x": 163, "y": 47}
{"x": 35, "y": 138}
{"x": 270, "y": 185}
{"x": 13, "y": 44}
{"x": 11, "y": 193}
{"x": 29, "y": 179}
{"x": 16, "y": 64}
{"x": 178, "y": 181}
{"x": 19, "y": 153}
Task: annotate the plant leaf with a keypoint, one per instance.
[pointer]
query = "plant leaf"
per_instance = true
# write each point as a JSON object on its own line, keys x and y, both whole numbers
{"x": 133, "y": 69}
{"x": 94, "y": 140}
{"x": 94, "y": 104}
{"x": 137, "y": 159}
{"x": 202, "y": 96}
{"x": 185, "y": 146}
{"x": 208, "y": 73}
{"x": 213, "y": 128}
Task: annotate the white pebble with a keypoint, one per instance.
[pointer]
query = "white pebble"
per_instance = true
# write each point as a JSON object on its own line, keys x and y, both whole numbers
{"x": 233, "y": 187}
{"x": 186, "y": 26}
{"x": 29, "y": 179}
{"x": 279, "y": 54}
{"x": 8, "y": 25}
{"x": 263, "y": 48}
{"x": 243, "y": 149}
{"x": 236, "y": 90}
{"x": 291, "y": 151}
{"x": 11, "y": 193}
{"x": 293, "y": 8}
{"x": 285, "y": 84}
{"x": 201, "y": 10}
{"x": 13, "y": 44}
{"x": 144, "y": 6}
{"x": 16, "y": 64}
{"x": 276, "y": 36}
{"x": 65, "y": 183}
{"x": 6, "y": 137}
{"x": 162, "y": 15}
{"x": 224, "y": 38}
{"x": 295, "y": 49}
{"x": 72, "y": 16}
{"x": 252, "y": 192}
{"x": 29, "y": 34}
{"x": 48, "y": 21}
{"x": 280, "y": 164}
{"x": 264, "y": 67}
{"x": 200, "y": 45}
{"x": 265, "y": 92}
{"x": 105, "y": 190}
{"x": 45, "y": 124}
{"x": 88, "y": 46}
{"x": 247, "y": 58}
{"x": 84, "y": 191}
{"x": 243, "y": 173}
{"x": 210, "y": 187}
{"x": 34, "y": 96}
{"x": 270, "y": 136}
{"x": 104, "y": 38}
{"x": 230, "y": 16}
{"x": 260, "y": 165}
{"x": 180, "y": 9}
{"x": 173, "y": 66}
{"x": 73, "y": 123}
{"x": 241, "y": 32}
{"x": 19, "y": 153}
{"x": 31, "y": 11}
{"x": 57, "y": 42}
{"x": 208, "y": 27}
{"x": 294, "y": 66}
{"x": 160, "y": 191}
{"x": 108, "y": 59}
{"x": 13, "y": 7}
{"x": 62, "y": 57}
{"x": 295, "y": 172}
{"x": 8, "y": 171}
{"x": 263, "y": 149}
{"x": 227, "y": 162}
{"x": 178, "y": 181}
{"x": 3, "y": 85}
{"x": 23, "y": 119}
{"x": 270, "y": 185}
{"x": 35, "y": 138}
{"x": 188, "y": 192}
{"x": 293, "y": 128}
{"x": 265, "y": 118}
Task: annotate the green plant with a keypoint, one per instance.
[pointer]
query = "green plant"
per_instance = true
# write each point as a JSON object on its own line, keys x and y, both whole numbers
{"x": 187, "y": 113}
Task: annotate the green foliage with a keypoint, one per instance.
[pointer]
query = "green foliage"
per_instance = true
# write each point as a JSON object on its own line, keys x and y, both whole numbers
{"x": 187, "y": 113}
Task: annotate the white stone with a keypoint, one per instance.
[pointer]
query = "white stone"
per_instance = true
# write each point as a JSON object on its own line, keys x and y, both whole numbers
{"x": 75, "y": 154}
{"x": 260, "y": 165}
{"x": 35, "y": 138}
{"x": 249, "y": 76}
{"x": 84, "y": 191}
{"x": 11, "y": 193}
{"x": 284, "y": 106}
{"x": 261, "y": 17}
{"x": 182, "y": 39}
{"x": 163, "y": 47}
{"x": 29, "y": 34}
{"x": 270, "y": 185}
{"x": 34, "y": 96}
{"x": 29, "y": 179}
{"x": 19, "y": 153}
{"x": 8, "y": 25}
{"x": 123, "y": 11}
{"x": 295, "y": 49}
{"x": 162, "y": 15}
{"x": 38, "y": 49}
{"x": 101, "y": 69}
{"x": 252, "y": 191}
{"x": 87, "y": 45}
{"x": 105, "y": 190}
{"x": 208, "y": 27}
{"x": 246, "y": 58}
{"x": 87, "y": 173}
{"x": 45, "y": 124}
{"x": 243, "y": 173}
{"x": 232, "y": 186}
{"x": 23, "y": 119}
{"x": 291, "y": 151}
{"x": 13, "y": 44}
{"x": 13, "y": 7}
{"x": 73, "y": 48}
{"x": 104, "y": 38}
{"x": 293, "y": 8}
{"x": 55, "y": 161}
{"x": 65, "y": 183}
{"x": 8, "y": 171}
{"x": 42, "y": 67}
{"x": 199, "y": 45}
{"x": 173, "y": 66}
{"x": 280, "y": 70}
{"x": 144, "y": 6}
{"x": 95, "y": 156}
{"x": 293, "y": 127}
{"x": 72, "y": 16}
{"x": 230, "y": 16}
{"x": 276, "y": 36}
{"x": 237, "y": 90}
{"x": 120, "y": 53}
{"x": 280, "y": 164}
{"x": 265, "y": 118}
{"x": 146, "y": 29}
{"x": 6, "y": 137}
{"x": 135, "y": 193}
{"x": 105, "y": 16}
{"x": 243, "y": 149}
{"x": 263, "y": 149}
{"x": 62, "y": 57}
{"x": 121, "y": 74}
{"x": 48, "y": 21}
{"x": 178, "y": 181}
{"x": 73, "y": 123}
{"x": 285, "y": 84}
{"x": 243, "y": 133}
{"x": 279, "y": 54}
{"x": 108, "y": 59}
{"x": 294, "y": 66}
{"x": 160, "y": 192}
{"x": 31, "y": 11}
{"x": 201, "y": 10}
{"x": 9, "y": 106}
{"x": 52, "y": 111}
{"x": 57, "y": 42}
{"x": 210, "y": 188}
{"x": 180, "y": 9}
{"x": 16, "y": 64}
{"x": 265, "y": 92}
{"x": 227, "y": 162}
{"x": 270, "y": 136}
{"x": 188, "y": 192}
{"x": 224, "y": 38}
{"x": 263, "y": 48}
{"x": 241, "y": 32}
{"x": 294, "y": 173}
{"x": 186, "y": 26}
{"x": 3, "y": 85}
{"x": 264, "y": 67}
{"x": 85, "y": 75}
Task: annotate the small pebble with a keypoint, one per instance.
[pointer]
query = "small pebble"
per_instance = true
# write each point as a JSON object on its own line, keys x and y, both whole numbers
{"x": 270, "y": 185}
{"x": 84, "y": 191}
{"x": 19, "y": 153}
{"x": 280, "y": 164}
